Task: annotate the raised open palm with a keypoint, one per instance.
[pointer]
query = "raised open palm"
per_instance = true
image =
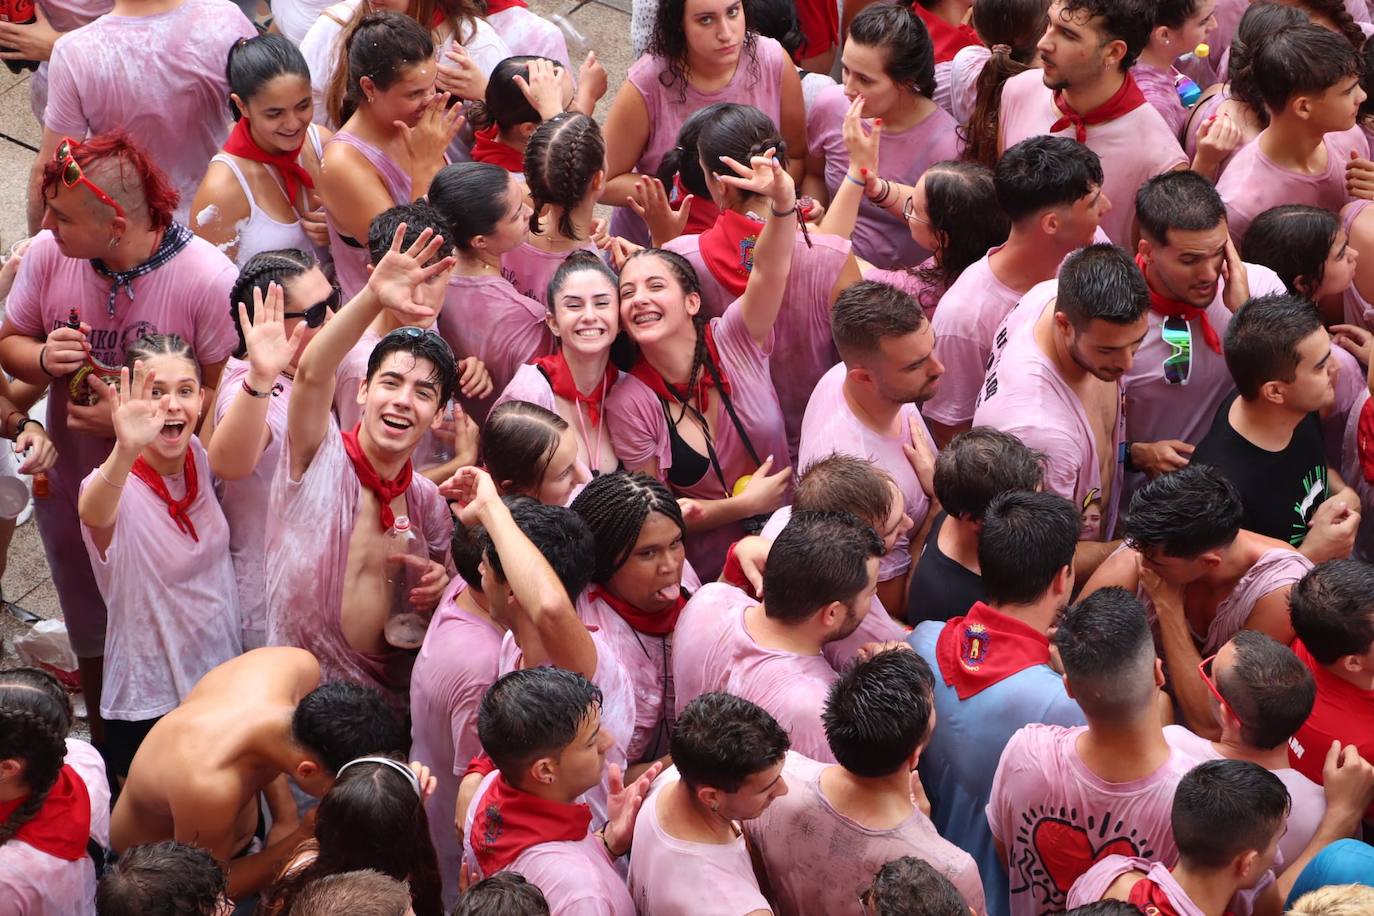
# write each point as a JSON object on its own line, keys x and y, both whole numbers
{"x": 138, "y": 417}
{"x": 396, "y": 279}
{"x": 269, "y": 349}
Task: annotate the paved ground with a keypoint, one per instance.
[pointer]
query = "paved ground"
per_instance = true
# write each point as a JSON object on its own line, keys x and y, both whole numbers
{"x": 26, "y": 580}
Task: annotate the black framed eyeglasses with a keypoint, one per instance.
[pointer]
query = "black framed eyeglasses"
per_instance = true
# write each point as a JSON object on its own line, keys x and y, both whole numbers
{"x": 314, "y": 316}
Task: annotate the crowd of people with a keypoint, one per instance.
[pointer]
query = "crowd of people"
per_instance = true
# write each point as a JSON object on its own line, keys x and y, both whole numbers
{"x": 944, "y": 489}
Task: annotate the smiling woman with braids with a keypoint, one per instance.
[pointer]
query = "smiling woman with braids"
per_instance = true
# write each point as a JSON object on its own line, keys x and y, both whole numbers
{"x": 53, "y": 800}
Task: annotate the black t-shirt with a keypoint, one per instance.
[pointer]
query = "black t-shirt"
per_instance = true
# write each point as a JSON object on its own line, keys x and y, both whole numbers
{"x": 940, "y": 587}
{"x": 1280, "y": 490}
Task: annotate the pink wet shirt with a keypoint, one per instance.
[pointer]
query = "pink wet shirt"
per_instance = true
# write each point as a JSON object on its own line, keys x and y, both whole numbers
{"x": 529, "y": 269}
{"x": 1358, "y": 310}
{"x": 841, "y": 856}
{"x": 1055, "y": 817}
{"x": 160, "y": 77}
{"x": 351, "y": 257}
{"x": 64, "y": 16}
{"x": 1158, "y": 88}
{"x": 1134, "y": 147}
{"x": 964, "y": 72}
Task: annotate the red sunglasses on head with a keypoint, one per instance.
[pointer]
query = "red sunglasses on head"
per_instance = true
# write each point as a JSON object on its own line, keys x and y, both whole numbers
{"x": 1204, "y": 668}
{"x": 72, "y": 175}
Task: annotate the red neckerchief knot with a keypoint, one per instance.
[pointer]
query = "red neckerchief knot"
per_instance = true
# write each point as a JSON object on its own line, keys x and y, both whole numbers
{"x": 293, "y": 174}
{"x": 679, "y": 393}
{"x": 386, "y": 490}
{"x": 1127, "y": 99}
{"x": 555, "y": 369}
{"x": 176, "y": 508}
{"x": 1176, "y": 308}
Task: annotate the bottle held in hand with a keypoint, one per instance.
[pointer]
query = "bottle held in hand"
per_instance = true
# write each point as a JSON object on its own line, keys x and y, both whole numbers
{"x": 407, "y": 559}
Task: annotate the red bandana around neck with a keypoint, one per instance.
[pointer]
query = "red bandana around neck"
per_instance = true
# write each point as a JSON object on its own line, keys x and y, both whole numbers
{"x": 1175, "y": 308}
{"x": 985, "y": 647}
{"x": 62, "y": 826}
{"x": 948, "y": 39}
{"x": 176, "y": 508}
{"x": 386, "y": 490}
{"x": 660, "y": 624}
{"x": 679, "y": 393}
{"x": 555, "y": 369}
{"x": 488, "y": 147}
{"x": 500, "y": 6}
{"x": 703, "y": 212}
{"x": 727, "y": 248}
{"x": 1127, "y": 99}
{"x": 509, "y": 821}
{"x": 293, "y": 174}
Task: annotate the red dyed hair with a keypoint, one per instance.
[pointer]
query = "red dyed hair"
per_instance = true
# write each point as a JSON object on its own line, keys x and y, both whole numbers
{"x": 158, "y": 193}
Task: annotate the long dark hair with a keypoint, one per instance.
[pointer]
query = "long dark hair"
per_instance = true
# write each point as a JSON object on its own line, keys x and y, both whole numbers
{"x": 668, "y": 42}
{"x": 35, "y": 719}
{"x": 518, "y": 441}
{"x": 615, "y": 507}
{"x": 961, "y": 203}
{"x": 254, "y": 62}
{"x": 562, "y": 157}
{"x": 1260, "y": 21}
{"x": 471, "y": 197}
{"x": 901, "y": 34}
{"x": 1292, "y": 240}
{"x": 504, "y": 104}
{"x": 378, "y": 46}
{"x": 683, "y": 162}
{"x": 1012, "y": 29}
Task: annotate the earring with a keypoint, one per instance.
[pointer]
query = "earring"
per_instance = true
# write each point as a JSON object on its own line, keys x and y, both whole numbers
{"x": 114, "y": 242}
{"x": 715, "y": 808}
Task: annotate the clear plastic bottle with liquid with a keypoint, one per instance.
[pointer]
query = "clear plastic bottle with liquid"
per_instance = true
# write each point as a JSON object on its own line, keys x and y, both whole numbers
{"x": 407, "y": 558}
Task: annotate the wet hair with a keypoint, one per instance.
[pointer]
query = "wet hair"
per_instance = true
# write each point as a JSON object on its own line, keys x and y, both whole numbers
{"x": 340, "y": 721}
{"x": 1302, "y": 59}
{"x": 980, "y": 464}
{"x": 1268, "y": 688}
{"x": 562, "y": 157}
{"x": 1027, "y": 538}
{"x": 1174, "y": 13}
{"x": 1259, "y": 22}
{"x": 1185, "y": 513}
{"x": 683, "y": 161}
{"x": 1128, "y": 21}
{"x": 1294, "y": 241}
{"x": 152, "y": 345}
{"x": 909, "y": 60}
{"x": 35, "y": 719}
{"x": 556, "y": 532}
{"x": 878, "y": 712}
{"x": 122, "y": 168}
{"x": 162, "y": 879}
{"x": 1017, "y": 25}
{"x": 1335, "y": 899}
{"x": 1042, "y": 172}
{"x": 912, "y": 887}
{"x": 577, "y": 262}
{"x": 615, "y": 507}
{"x": 1226, "y": 808}
{"x": 254, "y": 62}
{"x": 380, "y": 46}
{"x": 517, "y": 442}
{"x": 428, "y": 346}
{"x": 416, "y": 217}
{"x": 1180, "y": 200}
{"x": 259, "y": 272}
{"x": 1332, "y": 610}
{"x": 721, "y": 740}
{"x": 1108, "y": 653}
{"x": 668, "y": 42}
{"x": 819, "y": 557}
{"x": 1336, "y": 13}
{"x": 1262, "y": 340}
{"x": 371, "y": 818}
{"x": 868, "y": 311}
{"x": 465, "y": 547}
{"x": 533, "y": 713}
{"x": 961, "y": 204}
{"x": 505, "y": 893}
{"x": 740, "y": 132}
{"x": 365, "y": 892}
{"x": 844, "y": 483}
{"x": 1101, "y": 283}
{"x": 471, "y": 198}
{"x": 777, "y": 19}
{"x": 504, "y": 105}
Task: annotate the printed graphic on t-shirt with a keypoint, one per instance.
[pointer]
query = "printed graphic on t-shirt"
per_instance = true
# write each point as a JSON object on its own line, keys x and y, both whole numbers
{"x": 1313, "y": 490}
{"x": 1055, "y": 846}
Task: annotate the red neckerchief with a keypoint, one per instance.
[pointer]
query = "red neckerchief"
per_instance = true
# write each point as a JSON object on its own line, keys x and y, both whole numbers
{"x": 293, "y": 174}
{"x": 948, "y": 39}
{"x": 984, "y": 647}
{"x": 1176, "y": 308}
{"x": 1150, "y": 899}
{"x": 555, "y": 369}
{"x": 509, "y": 821}
{"x": 487, "y": 147}
{"x": 1364, "y": 440}
{"x": 62, "y": 826}
{"x": 660, "y": 624}
{"x": 1127, "y": 99}
{"x": 733, "y": 573}
{"x": 701, "y": 214}
{"x": 386, "y": 490}
{"x": 678, "y": 394}
{"x": 727, "y": 249}
{"x": 176, "y": 508}
{"x": 498, "y": 6}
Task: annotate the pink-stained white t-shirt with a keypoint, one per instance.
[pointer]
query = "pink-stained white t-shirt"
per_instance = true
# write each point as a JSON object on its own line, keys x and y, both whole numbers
{"x": 1025, "y": 395}
{"x": 1055, "y": 817}
{"x": 830, "y": 426}
{"x": 351, "y": 260}
{"x": 909, "y": 281}
{"x": 1252, "y": 182}
{"x": 1309, "y": 799}
{"x": 964, "y": 71}
{"x": 487, "y": 318}
{"x": 840, "y": 855}
{"x": 456, "y": 665}
{"x": 1358, "y": 311}
{"x": 528, "y": 268}
{"x": 310, "y": 522}
{"x": 173, "y": 603}
{"x": 63, "y": 16}
{"x": 1134, "y": 147}
{"x": 879, "y": 237}
{"x": 160, "y": 77}
{"x": 34, "y": 883}
{"x": 802, "y": 346}
{"x": 526, "y": 32}
{"x": 1158, "y": 88}
{"x": 1095, "y": 881}
{"x": 673, "y": 877}
{"x": 970, "y": 312}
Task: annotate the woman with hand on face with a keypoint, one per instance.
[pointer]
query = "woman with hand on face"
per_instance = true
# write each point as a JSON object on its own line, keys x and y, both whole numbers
{"x": 159, "y": 544}
{"x": 258, "y": 193}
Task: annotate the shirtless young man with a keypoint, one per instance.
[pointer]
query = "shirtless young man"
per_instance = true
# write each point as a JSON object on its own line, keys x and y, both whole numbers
{"x": 249, "y": 723}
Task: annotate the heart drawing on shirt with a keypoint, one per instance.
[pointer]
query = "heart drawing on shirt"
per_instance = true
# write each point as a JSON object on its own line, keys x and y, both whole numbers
{"x": 1066, "y": 850}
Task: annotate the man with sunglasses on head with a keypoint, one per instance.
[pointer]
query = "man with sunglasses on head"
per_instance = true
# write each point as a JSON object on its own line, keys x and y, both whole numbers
{"x": 110, "y": 267}
{"x": 339, "y": 497}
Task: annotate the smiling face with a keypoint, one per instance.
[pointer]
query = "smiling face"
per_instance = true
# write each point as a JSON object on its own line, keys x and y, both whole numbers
{"x": 176, "y": 377}
{"x": 586, "y": 313}
{"x": 715, "y": 32}
{"x": 279, "y": 113}
{"x": 405, "y": 99}
{"x": 399, "y": 403}
{"x": 651, "y": 577}
{"x": 653, "y": 305}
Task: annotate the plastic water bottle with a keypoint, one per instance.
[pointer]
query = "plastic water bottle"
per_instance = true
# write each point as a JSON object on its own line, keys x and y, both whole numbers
{"x": 441, "y": 444}
{"x": 406, "y": 561}
{"x": 1188, "y": 91}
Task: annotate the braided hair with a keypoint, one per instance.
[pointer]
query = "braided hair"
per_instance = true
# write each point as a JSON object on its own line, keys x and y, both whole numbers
{"x": 261, "y": 271}
{"x": 35, "y": 718}
{"x": 150, "y": 345}
{"x": 562, "y": 158}
{"x": 615, "y": 507}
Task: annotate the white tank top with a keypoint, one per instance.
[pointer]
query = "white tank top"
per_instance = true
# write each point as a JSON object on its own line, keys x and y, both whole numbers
{"x": 260, "y": 232}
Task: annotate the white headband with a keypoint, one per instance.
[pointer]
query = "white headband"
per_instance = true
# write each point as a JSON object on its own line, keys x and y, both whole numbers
{"x": 386, "y": 761}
